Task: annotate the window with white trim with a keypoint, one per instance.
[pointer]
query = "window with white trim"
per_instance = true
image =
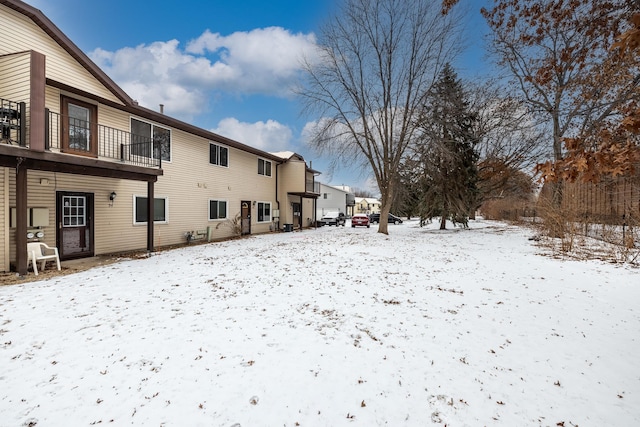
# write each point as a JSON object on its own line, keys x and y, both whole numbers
{"x": 218, "y": 155}
{"x": 264, "y": 212}
{"x": 74, "y": 211}
{"x": 160, "y": 209}
{"x": 217, "y": 209}
{"x": 264, "y": 167}
{"x": 149, "y": 140}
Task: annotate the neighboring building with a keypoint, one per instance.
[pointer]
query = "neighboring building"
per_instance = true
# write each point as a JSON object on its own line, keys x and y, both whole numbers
{"x": 84, "y": 167}
{"x": 334, "y": 199}
{"x": 299, "y": 192}
{"x": 367, "y": 205}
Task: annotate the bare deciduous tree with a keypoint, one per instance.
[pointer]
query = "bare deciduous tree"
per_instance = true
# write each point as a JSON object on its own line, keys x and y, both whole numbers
{"x": 359, "y": 192}
{"x": 377, "y": 61}
{"x": 509, "y": 138}
{"x": 556, "y": 52}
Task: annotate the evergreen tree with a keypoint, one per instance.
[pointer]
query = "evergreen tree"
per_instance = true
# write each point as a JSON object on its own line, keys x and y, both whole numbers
{"x": 446, "y": 153}
{"x": 409, "y": 194}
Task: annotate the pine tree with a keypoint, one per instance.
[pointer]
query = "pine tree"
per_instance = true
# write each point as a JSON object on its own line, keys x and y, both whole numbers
{"x": 447, "y": 154}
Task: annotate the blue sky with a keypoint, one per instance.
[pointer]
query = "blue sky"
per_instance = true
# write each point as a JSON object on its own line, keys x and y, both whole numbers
{"x": 225, "y": 66}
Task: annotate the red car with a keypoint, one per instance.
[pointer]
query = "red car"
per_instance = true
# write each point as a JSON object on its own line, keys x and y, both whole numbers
{"x": 360, "y": 219}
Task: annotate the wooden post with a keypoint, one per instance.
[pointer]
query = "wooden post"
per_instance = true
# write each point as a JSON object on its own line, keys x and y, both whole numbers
{"x": 151, "y": 216}
{"x": 21, "y": 218}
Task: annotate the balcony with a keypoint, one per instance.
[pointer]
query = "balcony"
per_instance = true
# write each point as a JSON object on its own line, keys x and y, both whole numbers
{"x": 312, "y": 187}
{"x": 12, "y": 129}
{"x": 79, "y": 137}
{"x": 68, "y": 135}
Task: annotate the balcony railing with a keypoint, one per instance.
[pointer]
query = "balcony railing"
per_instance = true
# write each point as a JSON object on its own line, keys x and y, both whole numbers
{"x": 75, "y": 136}
{"x": 312, "y": 187}
{"x": 12, "y": 128}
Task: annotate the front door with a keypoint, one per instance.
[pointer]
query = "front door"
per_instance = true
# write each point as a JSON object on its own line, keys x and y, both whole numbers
{"x": 245, "y": 216}
{"x": 79, "y": 128}
{"x": 74, "y": 218}
{"x": 297, "y": 215}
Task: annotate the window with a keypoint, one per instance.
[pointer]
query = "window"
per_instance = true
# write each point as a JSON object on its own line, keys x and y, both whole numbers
{"x": 264, "y": 212}
{"x": 264, "y": 167}
{"x": 218, "y": 155}
{"x": 147, "y": 139}
{"x": 217, "y": 209}
{"x": 74, "y": 211}
{"x": 159, "y": 210}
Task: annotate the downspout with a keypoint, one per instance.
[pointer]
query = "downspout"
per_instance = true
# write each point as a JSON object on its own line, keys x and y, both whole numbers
{"x": 277, "y": 198}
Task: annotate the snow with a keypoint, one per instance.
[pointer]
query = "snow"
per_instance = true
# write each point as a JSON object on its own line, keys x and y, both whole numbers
{"x": 329, "y": 327}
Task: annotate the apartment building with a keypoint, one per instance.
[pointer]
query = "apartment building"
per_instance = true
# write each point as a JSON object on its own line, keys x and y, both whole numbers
{"x": 84, "y": 168}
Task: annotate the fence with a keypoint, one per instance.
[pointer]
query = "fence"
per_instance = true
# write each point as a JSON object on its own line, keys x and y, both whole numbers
{"x": 614, "y": 201}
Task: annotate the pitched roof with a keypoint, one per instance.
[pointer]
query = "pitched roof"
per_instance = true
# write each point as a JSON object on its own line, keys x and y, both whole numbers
{"x": 130, "y": 105}
{"x": 288, "y": 155}
{"x": 55, "y": 33}
{"x": 367, "y": 200}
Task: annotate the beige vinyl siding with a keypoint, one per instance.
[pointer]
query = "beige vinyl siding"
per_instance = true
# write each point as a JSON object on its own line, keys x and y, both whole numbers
{"x": 16, "y": 71}
{"x": 60, "y": 66}
{"x": 52, "y": 99}
{"x": 113, "y": 224}
{"x": 291, "y": 176}
{"x": 114, "y": 230}
{"x": 191, "y": 181}
{"x": 188, "y": 185}
{"x": 15, "y": 84}
{"x": 306, "y": 216}
{"x": 107, "y": 116}
{"x": 39, "y": 196}
{"x": 114, "y": 118}
{"x": 308, "y": 212}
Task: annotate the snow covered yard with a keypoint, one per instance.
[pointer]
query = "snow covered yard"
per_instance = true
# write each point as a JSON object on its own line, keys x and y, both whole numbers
{"x": 329, "y": 327}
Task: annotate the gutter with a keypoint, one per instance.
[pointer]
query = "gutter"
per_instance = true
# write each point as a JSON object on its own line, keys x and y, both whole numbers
{"x": 277, "y": 190}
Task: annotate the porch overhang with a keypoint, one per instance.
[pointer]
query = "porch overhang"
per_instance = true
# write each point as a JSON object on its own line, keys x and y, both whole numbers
{"x": 12, "y": 156}
{"x": 23, "y": 159}
{"x": 306, "y": 195}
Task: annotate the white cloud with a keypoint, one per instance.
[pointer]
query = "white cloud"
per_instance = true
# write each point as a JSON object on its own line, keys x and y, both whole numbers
{"x": 262, "y": 61}
{"x": 266, "y": 136}
{"x": 150, "y": 74}
{"x": 336, "y": 134}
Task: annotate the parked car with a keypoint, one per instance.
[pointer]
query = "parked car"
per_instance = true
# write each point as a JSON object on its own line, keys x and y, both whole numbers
{"x": 360, "y": 220}
{"x": 375, "y": 218}
{"x": 333, "y": 218}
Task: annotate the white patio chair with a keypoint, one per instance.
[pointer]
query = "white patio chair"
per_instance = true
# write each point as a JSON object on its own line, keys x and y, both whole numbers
{"x": 38, "y": 251}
